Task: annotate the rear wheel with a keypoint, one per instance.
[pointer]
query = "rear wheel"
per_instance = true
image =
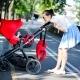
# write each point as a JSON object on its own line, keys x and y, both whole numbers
{"x": 33, "y": 66}
{"x": 4, "y": 66}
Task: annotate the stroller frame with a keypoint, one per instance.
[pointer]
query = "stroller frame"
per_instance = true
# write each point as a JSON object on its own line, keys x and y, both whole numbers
{"x": 31, "y": 63}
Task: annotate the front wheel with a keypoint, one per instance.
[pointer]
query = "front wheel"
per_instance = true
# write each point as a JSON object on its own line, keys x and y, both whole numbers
{"x": 33, "y": 66}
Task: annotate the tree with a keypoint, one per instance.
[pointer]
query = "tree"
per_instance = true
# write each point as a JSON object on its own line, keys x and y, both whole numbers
{"x": 19, "y": 7}
{"x": 57, "y": 5}
{"x": 76, "y": 10}
{"x": 31, "y": 6}
{"x": 25, "y": 7}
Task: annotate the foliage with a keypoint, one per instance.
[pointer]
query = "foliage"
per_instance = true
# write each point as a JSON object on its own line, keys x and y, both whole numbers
{"x": 57, "y": 5}
{"x": 19, "y": 6}
{"x": 24, "y": 7}
{"x": 76, "y": 9}
{"x": 27, "y": 7}
{"x": 45, "y": 4}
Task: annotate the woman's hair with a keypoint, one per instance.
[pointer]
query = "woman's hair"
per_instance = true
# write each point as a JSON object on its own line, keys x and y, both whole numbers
{"x": 49, "y": 12}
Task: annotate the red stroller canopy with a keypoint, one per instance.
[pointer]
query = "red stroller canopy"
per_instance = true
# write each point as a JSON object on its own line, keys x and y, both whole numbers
{"x": 9, "y": 27}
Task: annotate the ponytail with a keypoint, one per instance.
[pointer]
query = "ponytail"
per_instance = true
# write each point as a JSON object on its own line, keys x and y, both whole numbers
{"x": 49, "y": 12}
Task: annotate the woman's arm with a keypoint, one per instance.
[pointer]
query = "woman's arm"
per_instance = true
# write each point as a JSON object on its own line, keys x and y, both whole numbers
{"x": 59, "y": 27}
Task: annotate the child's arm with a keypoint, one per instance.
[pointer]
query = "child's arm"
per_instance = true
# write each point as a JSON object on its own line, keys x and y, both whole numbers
{"x": 18, "y": 34}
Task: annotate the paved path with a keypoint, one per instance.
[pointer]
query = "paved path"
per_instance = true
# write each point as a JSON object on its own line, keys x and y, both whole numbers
{"x": 72, "y": 67}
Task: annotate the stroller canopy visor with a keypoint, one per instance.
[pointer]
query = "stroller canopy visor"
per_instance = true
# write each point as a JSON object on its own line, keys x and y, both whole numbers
{"x": 9, "y": 27}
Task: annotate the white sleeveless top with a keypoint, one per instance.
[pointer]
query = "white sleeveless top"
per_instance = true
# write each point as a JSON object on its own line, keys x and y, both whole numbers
{"x": 62, "y": 20}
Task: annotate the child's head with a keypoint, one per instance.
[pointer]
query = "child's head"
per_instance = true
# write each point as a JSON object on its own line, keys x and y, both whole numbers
{"x": 47, "y": 15}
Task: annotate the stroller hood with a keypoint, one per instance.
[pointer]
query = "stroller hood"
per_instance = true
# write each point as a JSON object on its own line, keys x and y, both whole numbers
{"x": 9, "y": 27}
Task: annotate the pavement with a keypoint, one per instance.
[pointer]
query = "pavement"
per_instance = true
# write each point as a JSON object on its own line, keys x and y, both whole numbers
{"x": 4, "y": 45}
{"x": 17, "y": 74}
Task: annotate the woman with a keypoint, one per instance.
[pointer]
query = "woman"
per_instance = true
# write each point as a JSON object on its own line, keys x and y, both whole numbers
{"x": 70, "y": 38}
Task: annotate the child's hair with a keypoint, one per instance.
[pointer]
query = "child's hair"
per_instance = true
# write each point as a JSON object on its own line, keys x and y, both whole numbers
{"x": 49, "y": 12}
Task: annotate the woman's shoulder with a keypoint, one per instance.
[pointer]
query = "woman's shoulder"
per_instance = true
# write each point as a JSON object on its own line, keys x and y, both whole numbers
{"x": 59, "y": 16}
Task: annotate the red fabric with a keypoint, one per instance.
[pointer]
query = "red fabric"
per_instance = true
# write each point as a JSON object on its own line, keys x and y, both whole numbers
{"x": 0, "y": 26}
{"x": 14, "y": 40}
{"x": 42, "y": 27}
{"x": 41, "y": 50}
{"x": 25, "y": 39}
{"x": 9, "y": 27}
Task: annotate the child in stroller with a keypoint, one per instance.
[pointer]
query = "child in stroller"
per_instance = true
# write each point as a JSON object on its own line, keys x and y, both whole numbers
{"x": 8, "y": 28}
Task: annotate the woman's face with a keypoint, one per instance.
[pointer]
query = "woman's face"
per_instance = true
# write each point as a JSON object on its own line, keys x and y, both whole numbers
{"x": 47, "y": 18}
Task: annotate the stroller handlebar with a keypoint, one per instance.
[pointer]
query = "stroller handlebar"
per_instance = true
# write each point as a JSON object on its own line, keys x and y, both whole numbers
{"x": 47, "y": 25}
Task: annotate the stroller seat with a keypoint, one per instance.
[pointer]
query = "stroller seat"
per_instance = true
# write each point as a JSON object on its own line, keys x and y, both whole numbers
{"x": 8, "y": 29}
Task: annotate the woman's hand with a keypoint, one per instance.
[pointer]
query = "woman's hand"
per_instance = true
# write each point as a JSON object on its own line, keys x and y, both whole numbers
{"x": 58, "y": 27}
{"x": 54, "y": 25}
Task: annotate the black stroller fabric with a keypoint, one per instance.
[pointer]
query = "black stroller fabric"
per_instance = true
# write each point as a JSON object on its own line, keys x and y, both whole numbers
{"x": 16, "y": 59}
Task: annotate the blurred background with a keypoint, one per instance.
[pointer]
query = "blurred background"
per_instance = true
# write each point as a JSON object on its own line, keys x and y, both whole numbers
{"x": 32, "y": 9}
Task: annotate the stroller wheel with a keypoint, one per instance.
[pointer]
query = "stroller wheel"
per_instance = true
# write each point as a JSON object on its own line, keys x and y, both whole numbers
{"x": 5, "y": 66}
{"x": 30, "y": 57}
{"x": 33, "y": 66}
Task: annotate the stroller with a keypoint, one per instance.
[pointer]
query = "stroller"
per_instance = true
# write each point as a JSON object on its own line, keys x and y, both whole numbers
{"x": 8, "y": 28}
